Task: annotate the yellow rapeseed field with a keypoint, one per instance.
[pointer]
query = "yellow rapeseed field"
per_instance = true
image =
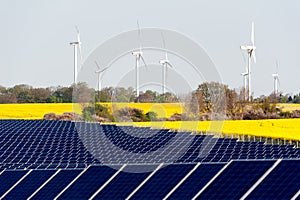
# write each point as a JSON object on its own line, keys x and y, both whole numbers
{"x": 288, "y": 129}
{"x": 33, "y": 111}
{"x": 37, "y": 110}
{"x": 289, "y": 106}
{"x": 162, "y": 109}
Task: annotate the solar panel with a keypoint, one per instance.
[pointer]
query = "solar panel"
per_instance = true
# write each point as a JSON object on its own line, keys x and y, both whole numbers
{"x": 57, "y": 184}
{"x": 282, "y": 183}
{"x": 125, "y": 183}
{"x": 8, "y": 179}
{"x": 29, "y": 184}
{"x": 88, "y": 183}
{"x": 197, "y": 180}
{"x": 236, "y": 179}
{"x": 162, "y": 182}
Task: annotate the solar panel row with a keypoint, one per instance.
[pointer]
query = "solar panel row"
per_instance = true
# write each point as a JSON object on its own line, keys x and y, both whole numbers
{"x": 39, "y": 144}
{"x": 232, "y": 183}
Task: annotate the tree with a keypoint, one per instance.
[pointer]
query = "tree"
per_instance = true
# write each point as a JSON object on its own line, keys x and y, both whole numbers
{"x": 296, "y": 98}
{"x": 40, "y": 95}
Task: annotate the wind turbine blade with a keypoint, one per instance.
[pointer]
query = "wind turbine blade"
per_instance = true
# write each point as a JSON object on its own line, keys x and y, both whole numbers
{"x": 254, "y": 57}
{"x": 170, "y": 65}
{"x": 98, "y": 66}
{"x": 139, "y": 34}
{"x": 79, "y": 44}
{"x": 252, "y": 33}
{"x": 164, "y": 45}
{"x": 243, "y": 55}
{"x": 104, "y": 69}
{"x": 277, "y": 66}
{"x": 144, "y": 62}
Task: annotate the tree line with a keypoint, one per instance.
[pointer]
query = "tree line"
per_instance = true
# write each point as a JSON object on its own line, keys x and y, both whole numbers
{"x": 61, "y": 94}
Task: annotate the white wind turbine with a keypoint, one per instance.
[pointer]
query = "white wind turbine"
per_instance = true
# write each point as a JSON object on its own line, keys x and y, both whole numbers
{"x": 76, "y": 45}
{"x": 138, "y": 56}
{"x": 165, "y": 64}
{"x": 100, "y": 74}
{"x": 245, "y": 74}
{"x": 251, "y": 53}
{"x": 276, "y": 80}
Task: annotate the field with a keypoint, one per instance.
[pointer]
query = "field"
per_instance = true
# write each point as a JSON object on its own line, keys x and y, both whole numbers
{"x": 37, "y": 111}
{"x": 289, "y": 106}
{"x": 162, "y": 109}
{"x": 32, "y": 111}
{"x": 288, "y": 129}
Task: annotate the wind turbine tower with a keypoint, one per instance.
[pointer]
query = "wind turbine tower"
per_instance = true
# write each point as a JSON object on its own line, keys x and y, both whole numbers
{"x": 138, "y": 56}
{"x": 245, "y": 76}
{"x": 251, "y": 53}
{"x": 100, "y": 74}
{"x": 76, "y": 45}
{"x": 165, "y": 64}
{"x": 276, "y": 81}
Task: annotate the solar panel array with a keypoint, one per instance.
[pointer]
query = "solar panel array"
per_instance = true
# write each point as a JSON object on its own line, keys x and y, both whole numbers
{"x": 95, "y": 181}
{"x": 42, "y": 144}
{"x": 58, "y": 159}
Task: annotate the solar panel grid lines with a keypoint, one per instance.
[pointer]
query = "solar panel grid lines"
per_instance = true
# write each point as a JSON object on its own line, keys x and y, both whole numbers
{"x": 126, "y": 181}
{"x": 196, "y": 181}
{"x": 45, "y": 183}
{"x": 58, "y": 195}
{"x": 261, "y": 179}
{"x": 211, "y": 180}
{"x": 282, "y": 182}
{"x": 29, "y": 184}
{"x": 89, "y": 182}
{"x": 181, "y": 181}
{"x": 107, "y": 182}
{"x": 163, "y": 181}
{"x": 12, "y": 187}
{"x": 296, "y": 195}
{"x": 236, "y": 180}
{"x": 144, "y": 182}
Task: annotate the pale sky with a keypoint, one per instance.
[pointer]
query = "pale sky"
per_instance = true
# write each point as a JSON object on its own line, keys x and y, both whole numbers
{"x": 35, "y": 36}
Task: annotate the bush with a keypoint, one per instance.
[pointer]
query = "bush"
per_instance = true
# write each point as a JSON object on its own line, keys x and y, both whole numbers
{"x": 151, "y": 116}
{"x": 87, "y": 113}
{"x": 135, "y": 115}
{"x": 94, "y": 113}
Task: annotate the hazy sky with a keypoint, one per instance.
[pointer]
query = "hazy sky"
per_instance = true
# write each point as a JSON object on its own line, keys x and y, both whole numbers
{"x": 35, "y": 36}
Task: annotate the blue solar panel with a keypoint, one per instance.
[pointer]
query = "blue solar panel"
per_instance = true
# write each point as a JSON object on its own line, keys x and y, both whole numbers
{"x": 196, "y": 181}
{"x": 163, "y": 181}
{"x": 57, "y": 184}
{"x": 125, "y": 183}
{"x": 236, "y": 180}
{"x": 8, "y": 179}
{"x": 282, "y": 183}
{"x": 29, "y": 184}
{"x": 88, "y": 183}
{"x": 40, "y": 144}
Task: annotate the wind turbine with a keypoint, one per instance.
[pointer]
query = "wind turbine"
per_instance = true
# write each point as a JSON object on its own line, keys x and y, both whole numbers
{"x": 165, "y": 64}
{"x": 138, "y": 56}
{"x": 100, "y": 73}
{"x": 76, "y": 45}
{"x": 276, "y": 80}
{"x": 245, "y": 74}
{"x": 251, "y": 53}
